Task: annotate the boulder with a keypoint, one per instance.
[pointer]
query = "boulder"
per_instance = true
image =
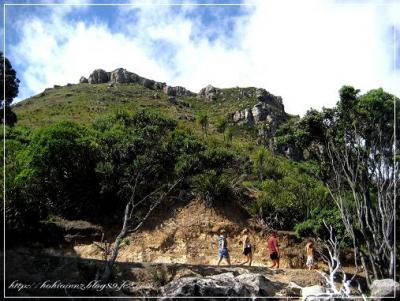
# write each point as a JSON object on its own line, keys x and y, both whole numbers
{"x": 258, "y": 112}
{"x": 264, "y": 96}
{"x": 158, "y": 85}
{"x": 248, "y": 116}
{"x": 98, "y": 76}
{"x": 142, "y": 290}
{"x": 260, "y": 94}
{"x": 243, "y": 116}
{"x": 312, "y": 293}
{"x": 170, "y": 91}
{"x": 178, "y": 102}
{"x": 176, "y": 91}
{"x": 120, "y": 76}
{"x": 209, "y": 93}
{"x": 238, "y": 116}
{"x": 261, "y": 112}
{"x": 83, "y": 80}
{"x": 181, "y": 91}
{"x": 384, "y": 288}
{"x": 292, "y": 290}
{"x": 221, "y": 285}
{"x": 148, "y": 83}
{"x": 257, "y": 284}
{"x": 205, "y": 287}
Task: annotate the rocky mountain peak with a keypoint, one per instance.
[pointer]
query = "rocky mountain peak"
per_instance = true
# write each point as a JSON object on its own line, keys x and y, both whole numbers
{"x": 209, "y": 92}
{"x": 269, "y": 108}
{"x": 122, "y": 76}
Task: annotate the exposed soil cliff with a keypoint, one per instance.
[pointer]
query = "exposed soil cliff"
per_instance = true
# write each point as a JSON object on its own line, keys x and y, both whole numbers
{"x": 189, "y": 234}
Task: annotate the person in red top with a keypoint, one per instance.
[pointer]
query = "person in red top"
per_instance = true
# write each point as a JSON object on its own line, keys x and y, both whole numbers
{"x": 273, "y": 250}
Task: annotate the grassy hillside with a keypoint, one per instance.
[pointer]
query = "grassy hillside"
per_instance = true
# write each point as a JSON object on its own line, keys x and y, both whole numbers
{"x": 82, "y": 103}
{"x": 101, "y": 148}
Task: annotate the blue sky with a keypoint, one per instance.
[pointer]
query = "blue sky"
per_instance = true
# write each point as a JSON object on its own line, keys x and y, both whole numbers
{"x": 302, "y": 50}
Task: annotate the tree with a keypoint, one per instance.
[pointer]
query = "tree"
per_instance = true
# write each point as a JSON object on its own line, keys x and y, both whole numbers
{"x": 128, "y": 226}
{"x": 362, "y": 162}
{"x": 10, "y": 81}
{"x": 203, "y": 121}
{"x": 332, "y": 257}
{"x": 355, "y": 143}
{"x": 287, "y": 193}
{"x": 221, "y": 125}
{"x": 143, "y": 160}
{"x": 59, "y": 165}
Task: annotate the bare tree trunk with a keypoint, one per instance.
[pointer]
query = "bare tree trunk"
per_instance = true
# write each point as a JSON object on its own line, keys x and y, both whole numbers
{"x": 359, "y": 170}
{"x": 114, "y": 253}
{"x": 126, "y": 229}
{"x": 335, "y": 266}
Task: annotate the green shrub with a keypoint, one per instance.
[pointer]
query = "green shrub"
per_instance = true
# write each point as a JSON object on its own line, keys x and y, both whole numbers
{"x": 314, "y": 226}
{"x": 214, "y": 189}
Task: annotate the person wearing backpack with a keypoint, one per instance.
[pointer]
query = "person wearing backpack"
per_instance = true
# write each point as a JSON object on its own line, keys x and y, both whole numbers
{"x": 223, "y": 251}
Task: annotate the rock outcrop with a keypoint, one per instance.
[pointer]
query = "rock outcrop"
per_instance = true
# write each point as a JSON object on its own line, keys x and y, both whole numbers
{"x": 313, "y": 293}
{"x": 180, "y": 103}
{"x": 177, "y": 91}
{"x": 268, "y": 114}
{"x": 83, "y": 80}
{"x": 221, "y": 285}
{"x": 122, "y": 76}
{"x": 270, "y": 109}
{"x": 99, "y": 76}
{"x": 384, "y": 288}
{"x": 209, "y": 93}
{"x": 265, "y": 97}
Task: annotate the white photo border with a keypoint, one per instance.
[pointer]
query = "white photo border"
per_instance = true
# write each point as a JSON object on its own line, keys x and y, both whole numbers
{"x": 175, "y": 4}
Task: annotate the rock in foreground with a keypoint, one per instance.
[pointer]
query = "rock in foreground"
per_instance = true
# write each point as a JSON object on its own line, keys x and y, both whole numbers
{"x": 221, "y": 285}
{"x": 385, "y": 288}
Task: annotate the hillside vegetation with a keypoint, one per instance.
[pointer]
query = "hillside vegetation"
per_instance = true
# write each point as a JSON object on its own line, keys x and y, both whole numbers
{"x": 92, "y": 151}
{"x": 96, "y": 109}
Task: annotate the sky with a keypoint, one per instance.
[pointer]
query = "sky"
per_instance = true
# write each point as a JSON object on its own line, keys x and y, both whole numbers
{"x": 302, "y": 50}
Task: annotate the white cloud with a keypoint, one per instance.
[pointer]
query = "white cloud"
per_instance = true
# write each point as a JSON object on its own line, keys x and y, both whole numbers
{"x": 302, "y": 50}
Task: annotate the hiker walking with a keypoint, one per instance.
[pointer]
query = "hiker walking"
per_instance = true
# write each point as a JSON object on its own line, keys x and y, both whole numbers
{"x": 247, "y": 247}
{"x": 273, "y": 250}
{"x": 310, "y": 263}
{"x": 223, "y": 251}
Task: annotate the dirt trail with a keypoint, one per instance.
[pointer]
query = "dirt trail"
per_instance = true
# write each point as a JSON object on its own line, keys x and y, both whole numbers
{"x": 28, "y": 266}
{"x": 177, "y": 242}
{"x": 190, "y": 235}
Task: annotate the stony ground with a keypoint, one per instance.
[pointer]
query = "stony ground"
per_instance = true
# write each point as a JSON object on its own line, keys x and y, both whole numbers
{"x": 33, "y": 266}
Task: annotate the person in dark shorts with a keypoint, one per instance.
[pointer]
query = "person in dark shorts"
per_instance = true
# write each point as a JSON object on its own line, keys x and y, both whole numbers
{"x": 273, "y": 250}
{"x": 247, "y": 247}
{"x": 223, "y": 252}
